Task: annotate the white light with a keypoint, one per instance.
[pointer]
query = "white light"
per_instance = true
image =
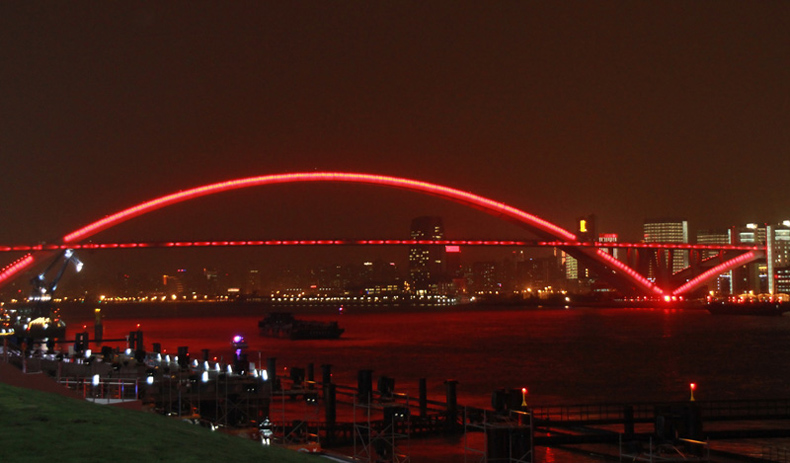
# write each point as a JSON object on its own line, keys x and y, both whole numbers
{"x": 167, "y": 358}
{"x": 149, "y": 380}
{"x": 95, "y": 380}
{"x": 128, "y": 351}
{"x": 230, "y": 369}
{"x": 216, "y": 367}
{"x": 205, "y": 365}
{"x": 204, "y": 377}
{"x": 87, "y": 353}
{"x": 195, "y": 363}
{"x": 264, "y": 375}
{"x": 158, "y": 357}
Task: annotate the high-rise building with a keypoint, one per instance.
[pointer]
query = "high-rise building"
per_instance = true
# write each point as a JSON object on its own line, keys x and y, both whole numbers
{"x": 724, "y": 281}
{"x": 586, "y": 231}
{"x": 778, "y": 252}
{"x": 759, "y": 277}
{"x": 426, "y": 262}
{"x": 669, "y": 231}
{"x": 610, "y": 238}
{"x": 752, "y": 277}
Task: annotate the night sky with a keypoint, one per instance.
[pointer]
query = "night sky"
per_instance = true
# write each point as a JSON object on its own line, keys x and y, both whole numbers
{"x": 627, "y": 110}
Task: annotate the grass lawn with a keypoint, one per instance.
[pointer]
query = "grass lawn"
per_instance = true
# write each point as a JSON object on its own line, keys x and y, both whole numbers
{"x": 41, "y": 427}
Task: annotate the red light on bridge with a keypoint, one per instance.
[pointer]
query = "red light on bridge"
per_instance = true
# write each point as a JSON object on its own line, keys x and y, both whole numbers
{"x": 717, "y": 270}
{"x": 452, "y": 249}
{"x": 462, "y": 197}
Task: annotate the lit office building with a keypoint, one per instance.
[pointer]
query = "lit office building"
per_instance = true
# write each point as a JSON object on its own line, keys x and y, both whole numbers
{"x": 426, "y": 263}
{"x": 778, "y": 249}
{"x": 609, "y": 238}
{"x": 669, "y": 231}
{"x": 766, "y": 277}
{"x": 751, "y": 277}
{"x": 724, "y": 281}
{"x": 579, "y": 275}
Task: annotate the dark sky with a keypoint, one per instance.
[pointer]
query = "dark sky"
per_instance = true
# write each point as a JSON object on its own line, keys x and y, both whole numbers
{"x": 627, "y": 110}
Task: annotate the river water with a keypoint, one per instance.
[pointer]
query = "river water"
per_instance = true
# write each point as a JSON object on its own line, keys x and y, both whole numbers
{"x": 563, "y": 356}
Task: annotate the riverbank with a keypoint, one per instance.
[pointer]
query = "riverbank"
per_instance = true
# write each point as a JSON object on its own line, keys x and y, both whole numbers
{"x": 42, "y": 422}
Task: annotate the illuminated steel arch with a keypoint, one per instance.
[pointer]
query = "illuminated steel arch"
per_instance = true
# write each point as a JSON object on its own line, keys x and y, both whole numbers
{"x": 611, "y": 269}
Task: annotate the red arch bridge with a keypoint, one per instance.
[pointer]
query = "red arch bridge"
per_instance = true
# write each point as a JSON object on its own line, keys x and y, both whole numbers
{"x": 628, "y": 275}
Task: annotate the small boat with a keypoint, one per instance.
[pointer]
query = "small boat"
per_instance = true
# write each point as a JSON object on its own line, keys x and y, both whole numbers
{"x": 32, "y": 323}
{"x": 284, "y": 325}
{"x": 763, "y": 308}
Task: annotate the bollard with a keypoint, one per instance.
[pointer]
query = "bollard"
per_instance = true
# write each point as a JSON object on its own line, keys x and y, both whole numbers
{"x": 271, "y": 370}
{"x": 499, "y": 400}
{"x": 140, "y": 345}
{"x": 365, "y": 385}
{"x": 330, "y": 410}
{"x": 452, "y": 405}
{"x": 183, "y": 356}
{"x": 386, "y": 387}
{"x": 628, "y": 426}
{"x": 326, "y": 373}
{"x": 423, "y": 397}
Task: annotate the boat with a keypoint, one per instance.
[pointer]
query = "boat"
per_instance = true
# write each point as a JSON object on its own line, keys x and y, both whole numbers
{"x": 763, "y": 308}
{"x": 32, "y": 323}
{"x": 285, "y": 325}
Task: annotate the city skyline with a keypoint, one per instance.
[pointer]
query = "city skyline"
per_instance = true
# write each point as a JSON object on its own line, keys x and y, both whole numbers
{"x": 623, "y": 110}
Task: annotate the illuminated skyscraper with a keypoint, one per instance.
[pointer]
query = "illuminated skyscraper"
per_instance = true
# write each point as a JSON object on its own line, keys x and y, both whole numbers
{"x": 426, "y": 263}
{"x": 762, "y": 277}
{"x": 669, "y": 231}
{"x": 724, "y": 281}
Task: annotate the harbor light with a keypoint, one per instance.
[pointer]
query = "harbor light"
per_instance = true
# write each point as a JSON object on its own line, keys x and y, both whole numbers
{"x": 87, "y": 353}
{"x": 264, "y": 375}
{"x": 206, "y": 365}
{"x": 149, "y": 380}
{"x": 95, "y": 381}
{"x": 692, "y": 386}
{"x": 523, "y": 397}
{"x": 204, "y": 377}
{"x": 230, "y": 369}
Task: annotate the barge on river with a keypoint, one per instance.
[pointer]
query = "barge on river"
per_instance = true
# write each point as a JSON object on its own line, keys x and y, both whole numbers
{"x": 284, "y": 325}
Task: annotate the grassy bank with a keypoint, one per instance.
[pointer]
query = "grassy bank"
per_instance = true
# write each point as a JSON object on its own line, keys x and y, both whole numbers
{"x": 41, "y": 427}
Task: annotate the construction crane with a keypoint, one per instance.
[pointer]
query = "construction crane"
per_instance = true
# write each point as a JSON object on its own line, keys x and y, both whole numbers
{"x": 40, "y": 320}
{"x": 43, "y": 291}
